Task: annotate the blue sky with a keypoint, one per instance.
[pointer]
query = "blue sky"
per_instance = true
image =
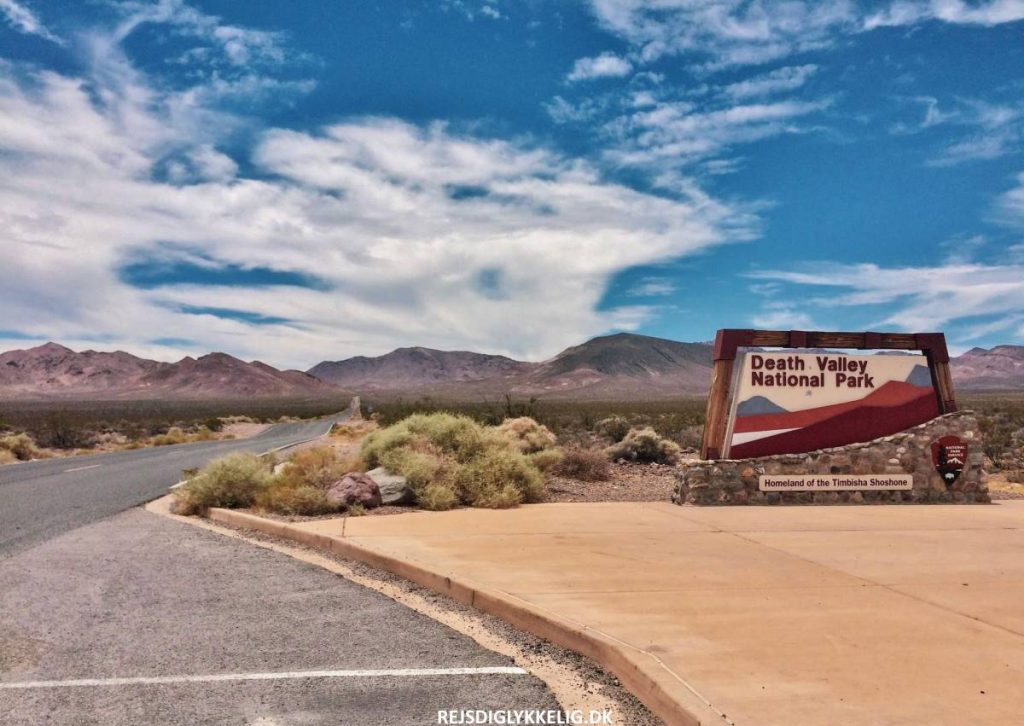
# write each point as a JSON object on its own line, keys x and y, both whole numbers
{"x": 300, "y": 181}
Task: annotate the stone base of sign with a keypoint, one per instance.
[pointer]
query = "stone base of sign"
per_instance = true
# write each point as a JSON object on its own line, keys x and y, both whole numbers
{"x": 735, "y": 481}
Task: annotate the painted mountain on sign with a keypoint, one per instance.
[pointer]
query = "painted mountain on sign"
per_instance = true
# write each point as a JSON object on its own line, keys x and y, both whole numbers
{"x": 895, "y": 406}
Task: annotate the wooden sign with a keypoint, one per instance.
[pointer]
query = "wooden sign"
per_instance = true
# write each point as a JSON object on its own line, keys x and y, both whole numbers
{"x": 779, "y": 402}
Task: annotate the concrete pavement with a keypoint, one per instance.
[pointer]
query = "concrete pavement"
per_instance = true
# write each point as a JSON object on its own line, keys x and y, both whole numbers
{"x": 795, "y": 615}
{"x": 139, "y": 596}
{"x": 42, "y": 499}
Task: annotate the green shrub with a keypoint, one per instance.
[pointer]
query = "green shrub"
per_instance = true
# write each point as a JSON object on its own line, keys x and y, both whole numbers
{"x": 546, "y": 460}
{"x": 21, "y": 446}
{"x": 584, "y": 464}
{"x": 449, "y": 459}
{"x": 499, "y": 478}
{"x": 527, "y": 435}
{"x": 437, "y": 497}
{"x": 613, "y": 427}
{"x": 419, "y": 468}
{"x": 644, "y": 445}
{"x": 173, "y": 436}
{"x": 231, "y": 481}
{"x": 303, "y": 499}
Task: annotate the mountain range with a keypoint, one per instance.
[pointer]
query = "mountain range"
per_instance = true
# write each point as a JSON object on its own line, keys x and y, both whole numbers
{"x": 54, "y": 371}
{"x": 612, "y": 367}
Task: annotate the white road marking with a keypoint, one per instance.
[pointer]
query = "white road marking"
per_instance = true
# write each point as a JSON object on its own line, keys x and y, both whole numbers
{"x": 286, "y": 675}
{"x": 83, "y": 468}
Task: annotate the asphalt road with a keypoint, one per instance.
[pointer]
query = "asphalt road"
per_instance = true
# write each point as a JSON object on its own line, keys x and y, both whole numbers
{"x": 137, "y": 596}
{"x": 42, "y": 499}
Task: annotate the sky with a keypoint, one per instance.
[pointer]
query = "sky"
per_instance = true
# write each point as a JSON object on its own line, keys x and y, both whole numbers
{"x": 293, "y": 182}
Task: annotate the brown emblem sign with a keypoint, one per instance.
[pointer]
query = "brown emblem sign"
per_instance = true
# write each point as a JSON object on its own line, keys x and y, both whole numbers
{"x": 949, "y": 454}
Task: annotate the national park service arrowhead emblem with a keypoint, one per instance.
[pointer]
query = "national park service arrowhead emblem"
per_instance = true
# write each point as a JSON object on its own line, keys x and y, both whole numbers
{"x": 949, "y": 455}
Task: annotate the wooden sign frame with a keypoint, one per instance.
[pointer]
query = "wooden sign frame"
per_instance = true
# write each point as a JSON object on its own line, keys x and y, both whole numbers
{"x": 728, "y": 341}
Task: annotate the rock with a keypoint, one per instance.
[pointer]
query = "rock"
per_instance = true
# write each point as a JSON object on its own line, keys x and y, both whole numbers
{"x": 393, "y": 488}
{"x": 355, "y": 488}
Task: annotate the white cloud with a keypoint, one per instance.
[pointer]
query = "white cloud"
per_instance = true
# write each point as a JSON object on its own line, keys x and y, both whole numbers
{"x": 904, "y": 12}
{"x": 653, "y": 287}
{"x": 606, "y": 65}
{"x": 725, "y": 32}
{"x": 676, "y": 133}
{"x": 788, "y": 78}
{"x": 401, "y": 224}
{"x": 1009, "y": 210}
{"x": 730, "y": 33}
{"x": 22, "y": 19}
{"x": 925, "y": 298}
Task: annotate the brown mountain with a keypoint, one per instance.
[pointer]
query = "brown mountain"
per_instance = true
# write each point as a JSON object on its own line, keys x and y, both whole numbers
{"x": 995, "y": 369}
{"x": 621, "y": 366}
{"x": 613, "y": 366}
{"x": 53, "y": 371}
{"x": 418, "y": 368}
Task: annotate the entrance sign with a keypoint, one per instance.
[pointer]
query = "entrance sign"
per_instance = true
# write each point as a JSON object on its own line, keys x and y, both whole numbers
{"x": 834, "y": 482}
{"x": 794, "y": 402}
{"x": 813, "y": 397}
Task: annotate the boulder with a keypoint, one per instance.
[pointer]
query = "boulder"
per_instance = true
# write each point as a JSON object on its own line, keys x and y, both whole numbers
{"x": 355, "y": 488}
{"x": 394, "y": 489}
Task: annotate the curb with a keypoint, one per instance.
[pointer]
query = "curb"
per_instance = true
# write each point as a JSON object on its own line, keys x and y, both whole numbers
{"x": 666, "y": 694}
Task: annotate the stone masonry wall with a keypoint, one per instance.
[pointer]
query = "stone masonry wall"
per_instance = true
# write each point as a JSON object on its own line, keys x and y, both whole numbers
{"x": 734, "y": 481}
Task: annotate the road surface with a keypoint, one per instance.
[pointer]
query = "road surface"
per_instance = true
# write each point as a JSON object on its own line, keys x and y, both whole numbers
{"x": 139, "y": 619}
{"x": 41, "y": 499}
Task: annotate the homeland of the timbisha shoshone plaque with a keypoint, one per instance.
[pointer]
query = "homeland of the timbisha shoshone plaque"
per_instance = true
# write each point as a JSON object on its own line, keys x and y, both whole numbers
{"x": 788, "y": 402}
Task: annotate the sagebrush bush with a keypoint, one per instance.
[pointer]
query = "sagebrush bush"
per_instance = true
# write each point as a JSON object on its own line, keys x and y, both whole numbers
{"x": 546, "y": 460}
{"x": 613, "y": 427}
{"x": 317, "y": 467}
{"x": 499, "y": 478}
{"x": 644, "y": 445}
{"x": 437, "y": 497}
{"x": 527, "y": 435}
{"x": 6, "y": 457}
{"x": 173, "y": 436}
{"x": 449, "y": 459}
{"x": 278, "y": 496}
{"x": 231, "y": 481}
{"x": 21, "y": 447}
{"x": 584, "y": 464}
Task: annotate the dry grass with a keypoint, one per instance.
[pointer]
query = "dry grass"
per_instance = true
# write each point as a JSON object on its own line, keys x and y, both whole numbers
{"x": 21, "y": 447}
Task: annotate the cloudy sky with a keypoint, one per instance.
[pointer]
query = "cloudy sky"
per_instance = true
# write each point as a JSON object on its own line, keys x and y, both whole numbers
{"x": 298, "y": 181}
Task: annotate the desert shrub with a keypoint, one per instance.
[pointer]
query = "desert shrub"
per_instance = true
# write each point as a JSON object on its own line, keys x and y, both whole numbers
{"x": 527, "y": 435}
{"x": 318, "y": 467}
{"x": 214, "y": 424}
{"x": 613, "y": 427}
{"x": 1015, "y": 477}
{"x": 419, "y": 468}
{"x": 584, "y": 464}
{"x": 6, "y": 457}
{"x": 449, "y": 459}
{"x": 437, "y": 497}
{"x": 230, "y": 481}
{"x": 691, "y": 437}
{"x": 499, "y": 478}
{"x": 20, "y": 446}
{"x": 644, "y": 445}
{"x": 203, "y": 433}
{"x": 173, "y": 436}
{"x": 302, "y": 499}
{"x": 546, "y": 460}
{"x": 61, "y": 431}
